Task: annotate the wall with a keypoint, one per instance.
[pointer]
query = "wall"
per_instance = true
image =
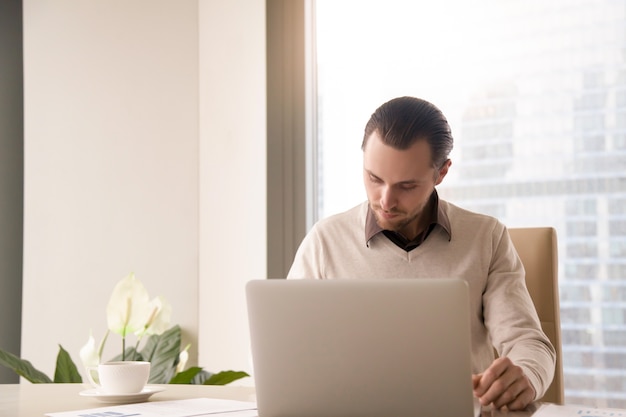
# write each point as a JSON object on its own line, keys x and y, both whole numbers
{"x": 111, "y": 165}
{"x": 145, "y": 152}
{"x": 11, "y": 177}
{"x": 233, "y": 232}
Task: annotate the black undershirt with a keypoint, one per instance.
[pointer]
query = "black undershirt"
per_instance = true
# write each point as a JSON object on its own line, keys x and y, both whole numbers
{"x": 408, "y": 245}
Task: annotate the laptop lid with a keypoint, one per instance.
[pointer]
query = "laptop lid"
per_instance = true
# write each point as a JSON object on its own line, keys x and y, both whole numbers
{"x": 338, "y": 348}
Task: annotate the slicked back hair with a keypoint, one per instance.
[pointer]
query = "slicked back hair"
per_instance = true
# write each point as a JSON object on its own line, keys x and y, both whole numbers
{"x": 402, "y": 121}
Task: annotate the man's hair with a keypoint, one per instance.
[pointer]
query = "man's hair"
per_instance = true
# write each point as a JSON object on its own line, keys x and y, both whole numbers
{"x": 402, "y": 121}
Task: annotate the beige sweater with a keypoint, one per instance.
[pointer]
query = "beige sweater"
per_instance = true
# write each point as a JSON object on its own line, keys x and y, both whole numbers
{"x": 479, "y": 251}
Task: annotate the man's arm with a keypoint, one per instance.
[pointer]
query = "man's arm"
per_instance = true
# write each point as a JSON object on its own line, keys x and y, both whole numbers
{"x": 504, "y": 384}
{"x": 527, "y": 358}
{"x": 309, "y": 257}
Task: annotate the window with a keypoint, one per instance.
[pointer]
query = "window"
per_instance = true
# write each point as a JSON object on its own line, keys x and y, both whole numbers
{"x": 535, "y": 92}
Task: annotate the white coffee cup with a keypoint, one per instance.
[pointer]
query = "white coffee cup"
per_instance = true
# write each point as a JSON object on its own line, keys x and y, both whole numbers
{"x": 121, "y": 377}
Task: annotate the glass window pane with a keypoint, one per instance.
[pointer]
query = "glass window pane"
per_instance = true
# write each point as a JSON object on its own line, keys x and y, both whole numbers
{"x": 535, "y": 93}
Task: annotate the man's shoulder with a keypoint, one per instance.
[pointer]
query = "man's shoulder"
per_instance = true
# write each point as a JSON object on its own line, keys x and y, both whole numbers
{"x": 353, "y": 216}
{"x": 462, "y": 215}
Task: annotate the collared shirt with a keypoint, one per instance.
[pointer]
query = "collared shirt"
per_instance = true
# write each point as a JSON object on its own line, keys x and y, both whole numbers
{"x": 436, "y": 216}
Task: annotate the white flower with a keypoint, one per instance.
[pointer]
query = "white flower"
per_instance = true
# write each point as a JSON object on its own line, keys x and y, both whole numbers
{"x": 159, "y": 318}
{"x": 183, "y": 357}
{"x": 128, "y": 309}
{"x": 89, "y": 354}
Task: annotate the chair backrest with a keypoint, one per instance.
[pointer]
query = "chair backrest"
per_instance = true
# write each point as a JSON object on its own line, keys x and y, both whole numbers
{"x": 537, "y": 248}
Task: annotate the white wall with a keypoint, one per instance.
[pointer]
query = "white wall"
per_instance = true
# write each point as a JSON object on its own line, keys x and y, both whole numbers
{"x": 145, "y": 152}
{"x": 233, "y": 235}
{"x": 111, "y": 166}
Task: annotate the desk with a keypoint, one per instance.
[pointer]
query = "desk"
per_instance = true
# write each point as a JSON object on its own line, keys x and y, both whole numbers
{"x": 34, "y": 400}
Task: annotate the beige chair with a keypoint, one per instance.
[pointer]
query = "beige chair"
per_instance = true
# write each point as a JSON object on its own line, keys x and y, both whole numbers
{"x": 537, "y": 248}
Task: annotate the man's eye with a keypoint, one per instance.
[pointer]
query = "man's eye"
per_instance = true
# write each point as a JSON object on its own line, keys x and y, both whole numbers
{"x": 408, "y": 187}
{"x": 375, "y": 179}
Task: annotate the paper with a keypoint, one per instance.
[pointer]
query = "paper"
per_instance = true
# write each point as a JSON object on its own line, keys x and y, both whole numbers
{"x": 178, "y": 408}
{"x": 552, "y": 410}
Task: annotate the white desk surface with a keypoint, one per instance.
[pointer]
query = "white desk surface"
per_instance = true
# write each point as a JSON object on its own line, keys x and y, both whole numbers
{"x": 34, "y": 400}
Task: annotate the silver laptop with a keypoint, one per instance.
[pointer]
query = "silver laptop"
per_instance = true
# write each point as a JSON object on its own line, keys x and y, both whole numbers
{"x": 339, "y": 348}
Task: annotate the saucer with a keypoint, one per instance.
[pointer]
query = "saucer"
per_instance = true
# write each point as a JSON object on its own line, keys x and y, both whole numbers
{"x": 122, "y": 398}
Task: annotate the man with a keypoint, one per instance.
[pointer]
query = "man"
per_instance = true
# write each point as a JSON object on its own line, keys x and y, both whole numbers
{"x": 405, "y": 231}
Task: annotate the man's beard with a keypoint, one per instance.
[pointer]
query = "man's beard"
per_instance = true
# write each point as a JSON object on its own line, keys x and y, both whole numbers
{"x": 395, "y": 225}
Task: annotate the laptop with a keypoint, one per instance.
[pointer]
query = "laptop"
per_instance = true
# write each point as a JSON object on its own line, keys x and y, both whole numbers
{"x": 357, "y": 347}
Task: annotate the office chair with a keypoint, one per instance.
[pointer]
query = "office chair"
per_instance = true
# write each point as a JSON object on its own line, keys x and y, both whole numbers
{"x": 537, "y": 248}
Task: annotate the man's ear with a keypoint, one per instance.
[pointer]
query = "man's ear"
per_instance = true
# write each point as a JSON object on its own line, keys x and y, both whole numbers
{"x": 443, "y": 171}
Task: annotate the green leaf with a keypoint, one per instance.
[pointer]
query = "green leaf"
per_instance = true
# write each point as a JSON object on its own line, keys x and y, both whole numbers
{"x": 185, "y": 377}
{"x": 201, "y": 377}
{"x": 225, "y": 377}
{"x": 162, "y": 352}
{"x": 66, "y": 369}
{"x": 23, "y": 368}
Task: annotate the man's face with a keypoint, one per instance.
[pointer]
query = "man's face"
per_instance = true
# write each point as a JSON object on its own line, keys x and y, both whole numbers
{"x": 399, "y": 183}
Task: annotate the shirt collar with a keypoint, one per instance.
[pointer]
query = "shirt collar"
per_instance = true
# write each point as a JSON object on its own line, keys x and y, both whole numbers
{"x": 438, "y": 216}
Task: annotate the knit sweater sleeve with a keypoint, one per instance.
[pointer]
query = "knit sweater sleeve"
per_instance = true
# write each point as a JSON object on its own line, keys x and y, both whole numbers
{"x": 511, "y": 318}
{"x": 333, "y": 247}
{"x": 309, "y": 259}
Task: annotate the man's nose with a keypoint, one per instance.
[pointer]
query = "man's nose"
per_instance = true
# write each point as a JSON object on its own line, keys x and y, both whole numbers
{"x": 387, "y": 199}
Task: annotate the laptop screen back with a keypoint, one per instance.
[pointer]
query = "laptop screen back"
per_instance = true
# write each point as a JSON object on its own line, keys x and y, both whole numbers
{"x": 361, "y": 347}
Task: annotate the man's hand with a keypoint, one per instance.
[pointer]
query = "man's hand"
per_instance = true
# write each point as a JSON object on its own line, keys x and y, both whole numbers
{"x": 503, "y": 384}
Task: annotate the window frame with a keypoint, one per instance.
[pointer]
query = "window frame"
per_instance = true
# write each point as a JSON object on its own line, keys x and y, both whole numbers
{"x": 291, "y": 130}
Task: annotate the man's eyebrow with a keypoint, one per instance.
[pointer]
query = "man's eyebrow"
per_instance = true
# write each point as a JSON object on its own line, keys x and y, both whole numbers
{"x": 370, "y": 173}
{"x": 406, "y": 182}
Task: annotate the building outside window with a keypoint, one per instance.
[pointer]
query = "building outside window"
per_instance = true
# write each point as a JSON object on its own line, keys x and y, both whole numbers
{"x": 535, "y": 92}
